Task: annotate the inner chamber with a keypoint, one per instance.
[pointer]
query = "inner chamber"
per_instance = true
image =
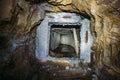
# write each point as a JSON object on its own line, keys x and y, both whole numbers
{"x": 64, "y": 41}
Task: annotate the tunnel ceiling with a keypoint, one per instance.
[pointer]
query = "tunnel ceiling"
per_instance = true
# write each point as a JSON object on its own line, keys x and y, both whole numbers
{"x": 36, "y": 1}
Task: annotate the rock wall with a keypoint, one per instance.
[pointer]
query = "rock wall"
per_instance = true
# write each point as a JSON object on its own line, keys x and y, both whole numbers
{"x": 105, "y": 27}
{"x": 19, "y": 19}
{"x": 18, "y": 22}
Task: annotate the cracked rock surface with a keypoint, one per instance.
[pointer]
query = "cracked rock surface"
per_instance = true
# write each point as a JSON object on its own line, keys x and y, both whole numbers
{"x": 20, "y": 18}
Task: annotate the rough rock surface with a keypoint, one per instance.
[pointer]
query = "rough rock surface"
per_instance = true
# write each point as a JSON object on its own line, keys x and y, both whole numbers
{"x": 18, "y": 22}
{"x": 19, "y": 19}
{"x": 105, "y": 27}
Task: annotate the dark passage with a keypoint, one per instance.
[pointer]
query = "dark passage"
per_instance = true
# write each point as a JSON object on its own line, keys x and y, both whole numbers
{"x": 62, "y": 41}
{"x": 63, "y": 50}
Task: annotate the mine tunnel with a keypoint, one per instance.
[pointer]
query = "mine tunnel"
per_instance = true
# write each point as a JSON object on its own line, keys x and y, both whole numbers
{"x": 62, "y": 42}
{"x": 59, "y": 40}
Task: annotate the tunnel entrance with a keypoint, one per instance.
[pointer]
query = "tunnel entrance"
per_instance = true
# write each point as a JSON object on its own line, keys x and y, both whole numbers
{"x": 64, "y": 36}
{"x": 64, "y": 40}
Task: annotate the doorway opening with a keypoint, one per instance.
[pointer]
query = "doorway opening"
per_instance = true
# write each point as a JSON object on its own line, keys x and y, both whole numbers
{"x": 64, "y": 40}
